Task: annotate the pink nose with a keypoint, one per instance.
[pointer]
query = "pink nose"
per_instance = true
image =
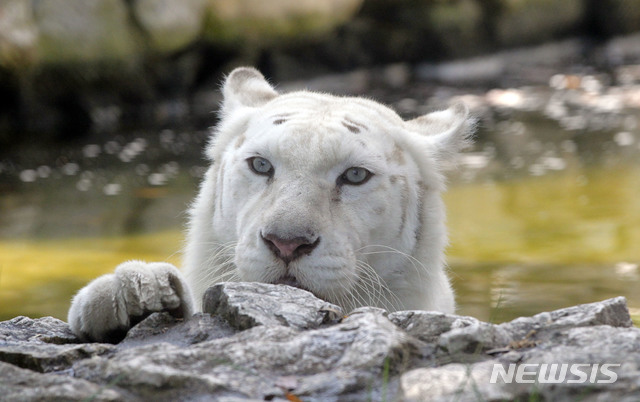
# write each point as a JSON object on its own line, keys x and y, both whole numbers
{"x": 290, "y": 249}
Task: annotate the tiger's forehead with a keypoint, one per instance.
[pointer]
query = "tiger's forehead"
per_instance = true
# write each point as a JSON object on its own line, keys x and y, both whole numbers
{"x": 323, "y": 129}
{"x": 313, "y": 114}
{"x": 356, "y": 114}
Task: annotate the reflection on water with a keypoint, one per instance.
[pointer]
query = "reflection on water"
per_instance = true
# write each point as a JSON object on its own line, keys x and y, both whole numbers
{"x": 518, "y": 247}
{"x": 544, "y": 212}
{"x": 38, "y": 277}
{"x": 577, "y": 216}
{"x": 529, "y": 245}
{"x": 116, "y": 187}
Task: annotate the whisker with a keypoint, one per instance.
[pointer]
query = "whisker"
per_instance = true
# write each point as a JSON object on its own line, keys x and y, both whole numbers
{"x": 371, "y": 281}
{"x": 379, "y": 288}
{"x": 417, "y": 265}
{"x": 219, "y": 265}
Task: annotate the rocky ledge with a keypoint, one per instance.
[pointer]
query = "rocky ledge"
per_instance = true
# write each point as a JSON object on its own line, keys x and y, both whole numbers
{"x": 274, "y": 342}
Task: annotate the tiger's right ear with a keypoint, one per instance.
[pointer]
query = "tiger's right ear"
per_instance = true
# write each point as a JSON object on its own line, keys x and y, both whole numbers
{"x": 247, "y": 87}
{"x": 447, "y": 131}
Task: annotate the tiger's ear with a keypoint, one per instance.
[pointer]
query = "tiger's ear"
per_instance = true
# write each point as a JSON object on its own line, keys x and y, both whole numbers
{"x": 245, "y": 86}
{"x": 448, "y": 131}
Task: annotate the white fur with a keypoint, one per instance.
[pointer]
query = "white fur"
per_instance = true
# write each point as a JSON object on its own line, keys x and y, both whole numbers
{"x": 380, "y": 243}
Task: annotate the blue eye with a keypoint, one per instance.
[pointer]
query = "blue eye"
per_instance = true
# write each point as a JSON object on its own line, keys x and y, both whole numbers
{"x": 260, "y": 166}
{"x": 355, "y": 176}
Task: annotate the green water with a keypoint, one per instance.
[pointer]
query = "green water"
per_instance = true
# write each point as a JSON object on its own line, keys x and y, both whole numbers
{"x": 530, "y": 245}
{"x": 543, "y": 211}
{"x": 518, "y": 246}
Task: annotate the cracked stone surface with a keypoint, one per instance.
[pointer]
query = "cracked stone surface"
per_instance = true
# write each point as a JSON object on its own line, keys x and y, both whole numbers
{"x": 273, "y": 342}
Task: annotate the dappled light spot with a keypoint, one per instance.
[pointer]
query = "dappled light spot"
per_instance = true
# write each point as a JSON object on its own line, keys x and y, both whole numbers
{"x": 91, "y": 150}
{"x": 71, "y": 169}
{"x": 624, "y": 138}
{"x": 112, "y": 189}
{"x": 28, "y": 175}
{"x": 157, "y": 179}
{"x": 83, "y": 185}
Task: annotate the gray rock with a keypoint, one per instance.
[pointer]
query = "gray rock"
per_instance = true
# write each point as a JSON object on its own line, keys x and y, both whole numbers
{"x": 170, "y": 24}
{"x": 47, "y": 31}
{"x": 42, "y": 330}
{"x": 473, "y": 339}
{"x": 45, "y": 358}
{"x": 612, "y": 312}
{"x": 103, "y": 26}
{"x": 590, "y": 334}
{"x": 429, "y": 325}
{"x": 245, "y": 305}
{"x": 18, "y": 34}
{"x": 258, "y": 21}
{"x": 319, "y": 363}
{"x": 163, "y": 327}
{"x": 530, "y": 21}
{"x": 455, "y": 381}
{"x": 276, "y": 342}
{"x": 492, "y": 67}
{"x": 586, "y": 346}
{"x": 19, "y": 384}
{"x": 43, "y": 345}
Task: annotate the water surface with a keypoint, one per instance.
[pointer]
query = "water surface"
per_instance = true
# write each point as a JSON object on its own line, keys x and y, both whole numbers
{"x": 543, "y": 212}
{"x": 518, "y": 247}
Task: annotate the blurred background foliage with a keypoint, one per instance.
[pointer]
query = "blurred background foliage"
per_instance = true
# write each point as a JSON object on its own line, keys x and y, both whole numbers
{"x": 105, "y": 106}
{"x": 60, "y": 60}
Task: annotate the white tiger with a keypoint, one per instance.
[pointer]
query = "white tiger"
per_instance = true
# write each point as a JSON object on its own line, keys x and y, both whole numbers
{"x": 335, "y": 195}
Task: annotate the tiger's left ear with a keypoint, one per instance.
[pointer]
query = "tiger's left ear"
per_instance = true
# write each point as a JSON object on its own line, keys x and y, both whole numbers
{"x": 448, "y": 131}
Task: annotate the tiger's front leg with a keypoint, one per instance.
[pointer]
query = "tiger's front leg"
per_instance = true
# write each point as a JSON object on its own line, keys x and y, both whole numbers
{"x": 110, "y": 305}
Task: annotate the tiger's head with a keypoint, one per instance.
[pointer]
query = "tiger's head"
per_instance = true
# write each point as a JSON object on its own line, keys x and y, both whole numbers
{"x": 335, "y": 195}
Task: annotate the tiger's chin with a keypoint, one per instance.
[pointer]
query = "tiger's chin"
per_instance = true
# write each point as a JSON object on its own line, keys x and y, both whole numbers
{"x": 292, "y": 281}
